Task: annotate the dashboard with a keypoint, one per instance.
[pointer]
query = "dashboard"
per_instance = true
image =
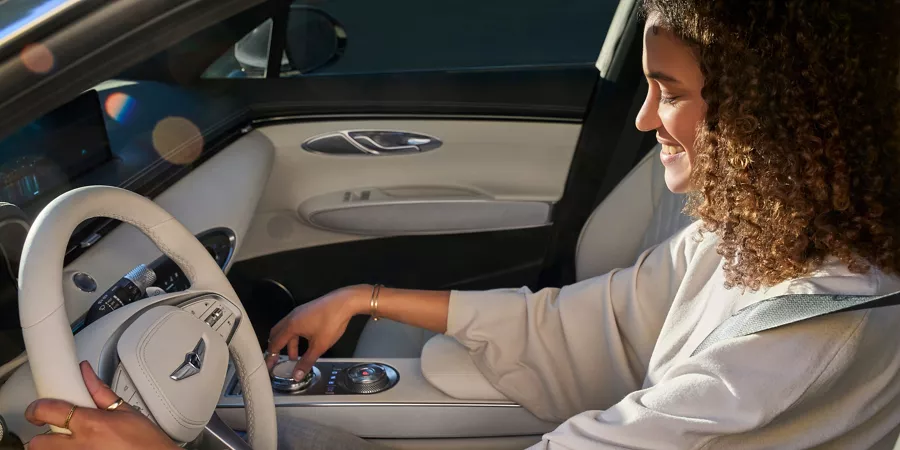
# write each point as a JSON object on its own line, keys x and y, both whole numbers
{"x": 105, "y": 137}
{"x": 219, "y": 242}
{"x": 54, "y": 150}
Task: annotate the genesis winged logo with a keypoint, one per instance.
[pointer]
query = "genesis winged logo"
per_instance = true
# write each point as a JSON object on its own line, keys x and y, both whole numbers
{"x": 193, "y": 362}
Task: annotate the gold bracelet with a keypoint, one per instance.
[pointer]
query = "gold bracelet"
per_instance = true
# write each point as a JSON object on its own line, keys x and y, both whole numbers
{"x": 373, "y": 302}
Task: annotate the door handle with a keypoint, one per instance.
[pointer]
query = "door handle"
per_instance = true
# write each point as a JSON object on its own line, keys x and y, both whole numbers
{"x": 372, "y": 143}
{"x": 393, "y": 142}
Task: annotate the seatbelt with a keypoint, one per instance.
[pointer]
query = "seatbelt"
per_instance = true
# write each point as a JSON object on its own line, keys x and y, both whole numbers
{"x": 787, "y": 309}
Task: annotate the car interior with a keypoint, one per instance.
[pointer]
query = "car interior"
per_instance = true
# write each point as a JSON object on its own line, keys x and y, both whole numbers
{"x": 301, "y": 147}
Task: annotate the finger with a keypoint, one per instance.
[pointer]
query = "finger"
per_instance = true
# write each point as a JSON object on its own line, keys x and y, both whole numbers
{"x": 50, "y": 411}
{"x": 294, "y": 348}
{"x": 313, "y": 353}
{"x": 101, "y": 393}
{"x": 275, "y": 345}
{"x": 276, "y": 330}
{"x": 51, "y": 442}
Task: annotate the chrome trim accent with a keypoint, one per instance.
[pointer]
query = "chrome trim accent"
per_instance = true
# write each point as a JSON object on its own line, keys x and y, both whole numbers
{"x": 282, "y": 287}
{"x": 193, "y": 362}
{"x": 367, "y": 146}
{"x": 90, "y": 240}
{"x": 84, "y": 282}
{"x": 287, "y": 386}
{"x": 142, "y": 277}
{"x": 415, "y": 142}
{"x": 232, "y": 241}
{"x": 366, "y": 388}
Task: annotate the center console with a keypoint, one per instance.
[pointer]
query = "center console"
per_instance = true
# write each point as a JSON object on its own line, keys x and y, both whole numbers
{"x": 340, "y": 378}
{"x": 383, "y": 400}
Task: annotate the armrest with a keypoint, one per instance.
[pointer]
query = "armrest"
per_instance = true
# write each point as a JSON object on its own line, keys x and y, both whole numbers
{"x": 446, "y": 364}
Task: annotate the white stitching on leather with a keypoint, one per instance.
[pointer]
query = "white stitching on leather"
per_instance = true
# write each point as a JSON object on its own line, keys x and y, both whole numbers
{"x": 247, "y": 392}
{"x": 157, "y": 240}
{"x": 182, "y": 263}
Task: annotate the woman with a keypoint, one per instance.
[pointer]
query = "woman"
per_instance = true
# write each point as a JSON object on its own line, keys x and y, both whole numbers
{"x": 780, "y": 119}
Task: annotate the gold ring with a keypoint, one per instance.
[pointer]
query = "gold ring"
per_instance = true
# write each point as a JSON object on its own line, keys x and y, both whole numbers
{"x": 115, "y": 404}
{"x": 69, "y": 417}
{"x": 268, "y": 354}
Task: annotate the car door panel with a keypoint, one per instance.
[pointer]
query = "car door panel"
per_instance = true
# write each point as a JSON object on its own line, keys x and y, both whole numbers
{"x": 440, "y": 240}
{"x": 488, "y": 174}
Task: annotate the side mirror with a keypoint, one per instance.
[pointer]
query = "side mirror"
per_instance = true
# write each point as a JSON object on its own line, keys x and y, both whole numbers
{"x": 314, "y": 39}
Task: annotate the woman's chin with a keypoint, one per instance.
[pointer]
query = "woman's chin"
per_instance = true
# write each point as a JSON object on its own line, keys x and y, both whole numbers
{"x": 679, "y": 182}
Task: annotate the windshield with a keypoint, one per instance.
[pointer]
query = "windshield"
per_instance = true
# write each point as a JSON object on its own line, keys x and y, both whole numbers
{"x": 16, "y": 16}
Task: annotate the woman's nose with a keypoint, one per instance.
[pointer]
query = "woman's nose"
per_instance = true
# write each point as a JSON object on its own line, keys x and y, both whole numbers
{"x": 648, "y": 117}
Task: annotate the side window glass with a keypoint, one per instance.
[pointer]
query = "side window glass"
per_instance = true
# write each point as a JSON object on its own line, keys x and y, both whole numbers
{"x": 247, "y": 58}
{"x": 342, "y": 37}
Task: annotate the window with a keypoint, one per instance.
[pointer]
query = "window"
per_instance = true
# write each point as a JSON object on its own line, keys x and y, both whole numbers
{"x": 342, "y": 37}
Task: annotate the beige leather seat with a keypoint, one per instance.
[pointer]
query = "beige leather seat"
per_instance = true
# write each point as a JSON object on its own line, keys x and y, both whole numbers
{"x": 639, "y": 213}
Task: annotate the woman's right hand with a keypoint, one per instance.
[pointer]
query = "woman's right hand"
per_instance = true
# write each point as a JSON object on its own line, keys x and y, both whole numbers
{"x": 322, "y": 322}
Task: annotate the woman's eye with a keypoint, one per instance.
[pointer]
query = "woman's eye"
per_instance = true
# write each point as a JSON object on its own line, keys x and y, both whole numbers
{"x": 668, "y": 100}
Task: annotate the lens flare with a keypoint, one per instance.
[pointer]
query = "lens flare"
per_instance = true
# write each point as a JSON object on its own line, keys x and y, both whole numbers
{"x": 177, "y": 140}
{"x": 37, "y": 58}
{"x": 119, "y": 106}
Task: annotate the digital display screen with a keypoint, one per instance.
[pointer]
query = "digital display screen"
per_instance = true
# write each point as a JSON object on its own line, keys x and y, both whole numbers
{"x": 53, "y": 150}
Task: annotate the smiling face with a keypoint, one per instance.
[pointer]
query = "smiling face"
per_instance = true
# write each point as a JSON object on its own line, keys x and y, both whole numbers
{"x": 674, "y": 107}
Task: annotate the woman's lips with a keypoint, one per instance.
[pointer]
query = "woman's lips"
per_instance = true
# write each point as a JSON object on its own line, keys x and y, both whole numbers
{"x": 670, "y": 154}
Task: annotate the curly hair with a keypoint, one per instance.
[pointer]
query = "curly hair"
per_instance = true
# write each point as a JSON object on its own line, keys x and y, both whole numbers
{"x": 800, "y": 146}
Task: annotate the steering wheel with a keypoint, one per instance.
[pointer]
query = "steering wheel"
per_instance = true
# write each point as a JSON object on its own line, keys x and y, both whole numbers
{"x": 166, "y": 355}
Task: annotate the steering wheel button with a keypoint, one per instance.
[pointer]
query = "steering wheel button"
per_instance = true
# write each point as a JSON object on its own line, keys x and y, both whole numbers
{"x": 198, "y": 308}
{"x": 138, "y": 404}
{"x": 226, "y": 326}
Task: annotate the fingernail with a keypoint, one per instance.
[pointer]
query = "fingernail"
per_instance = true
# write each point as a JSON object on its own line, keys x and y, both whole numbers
{"x": 298, "y": 375}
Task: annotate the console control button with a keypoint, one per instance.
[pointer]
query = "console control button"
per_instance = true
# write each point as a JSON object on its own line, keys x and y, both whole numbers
{"x": 366, "y": 379}
{"x": 366, "y": 374}
{"x": 283, "y": 381}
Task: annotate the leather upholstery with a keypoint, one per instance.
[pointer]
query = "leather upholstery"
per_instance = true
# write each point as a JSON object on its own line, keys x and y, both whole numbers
{"x": 388, "y": 339}
{"x": 639, "y": 213}
{"x": 447, "y": 366}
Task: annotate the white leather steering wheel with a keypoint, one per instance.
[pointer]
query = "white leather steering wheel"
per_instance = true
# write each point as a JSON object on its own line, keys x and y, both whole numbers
{"x": 137, "y": 348}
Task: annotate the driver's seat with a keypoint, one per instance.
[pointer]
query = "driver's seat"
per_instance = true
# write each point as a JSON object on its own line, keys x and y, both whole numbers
{"x": 639, "y": 213}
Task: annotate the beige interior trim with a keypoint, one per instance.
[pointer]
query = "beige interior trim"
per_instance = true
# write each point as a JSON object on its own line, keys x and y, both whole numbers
{"x": 497, "y": 160}
{"x": 222, "y": 192}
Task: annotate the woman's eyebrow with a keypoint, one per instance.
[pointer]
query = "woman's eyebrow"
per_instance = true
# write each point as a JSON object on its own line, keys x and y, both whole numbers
{"x": 659, "y": 76}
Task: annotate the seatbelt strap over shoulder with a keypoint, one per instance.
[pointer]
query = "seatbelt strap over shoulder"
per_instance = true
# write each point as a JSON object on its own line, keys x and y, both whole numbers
{"x": 787, "y": 309}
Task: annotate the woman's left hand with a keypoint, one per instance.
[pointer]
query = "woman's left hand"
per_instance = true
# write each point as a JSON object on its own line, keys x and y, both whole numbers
{"x": 121, "y": 429}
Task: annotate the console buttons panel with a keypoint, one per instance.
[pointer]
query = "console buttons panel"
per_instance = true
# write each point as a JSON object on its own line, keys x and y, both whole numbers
{"x": 328, "y": 378}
